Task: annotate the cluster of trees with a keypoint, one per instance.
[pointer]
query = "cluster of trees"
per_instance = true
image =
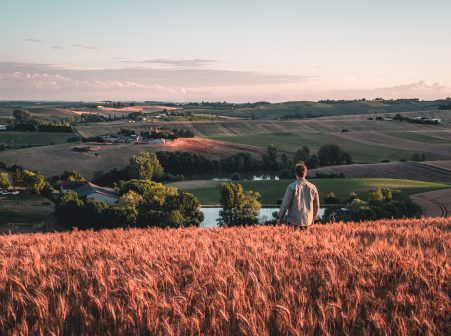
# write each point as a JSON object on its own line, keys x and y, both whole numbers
{"x": 174, "y": 165}
{"x": 24, "y": 121}
{"x": 239, "y": 207}
{"x": 141, "y": 166}
{"x": 142, "y": 203}
{"x": 382, "y": 203}
{"x": 33, "y": 181}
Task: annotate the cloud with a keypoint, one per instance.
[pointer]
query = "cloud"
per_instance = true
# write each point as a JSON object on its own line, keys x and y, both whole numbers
{"x": 190, "y": 63}
{"x": 83, "y": 46}
{"x": 417, "y": 89}
{"x": 48, "y": 81}
{"x": 57, "y": 47}
{"x": 33, "y": 40}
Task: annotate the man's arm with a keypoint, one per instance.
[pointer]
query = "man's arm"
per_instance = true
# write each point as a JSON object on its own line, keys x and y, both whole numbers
{"x": 316, "y": 205}
{"x": 285, "y": 202}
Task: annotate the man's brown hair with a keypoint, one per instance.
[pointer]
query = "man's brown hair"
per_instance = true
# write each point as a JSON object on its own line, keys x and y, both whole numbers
{"x": 301, "y": 169}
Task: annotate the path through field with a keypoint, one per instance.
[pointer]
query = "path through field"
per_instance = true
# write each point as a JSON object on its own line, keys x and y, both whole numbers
{"x": 434, "y": 203}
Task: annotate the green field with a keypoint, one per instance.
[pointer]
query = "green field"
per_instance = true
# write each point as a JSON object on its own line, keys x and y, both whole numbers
{"x": 29, "y": 139}
{"x": 208, "y": 191}
{"x": 422, "y": 137}
{"x": 290, "y": 142}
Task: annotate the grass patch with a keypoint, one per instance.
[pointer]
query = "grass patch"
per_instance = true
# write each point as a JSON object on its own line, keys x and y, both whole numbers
{"x": 272, "y": 191}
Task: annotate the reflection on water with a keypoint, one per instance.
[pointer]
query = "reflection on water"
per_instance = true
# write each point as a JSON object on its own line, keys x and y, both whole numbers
{"x": 212, "y": 214}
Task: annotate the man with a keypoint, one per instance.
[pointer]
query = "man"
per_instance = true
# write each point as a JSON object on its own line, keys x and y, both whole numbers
{"x": 301, "y": 200}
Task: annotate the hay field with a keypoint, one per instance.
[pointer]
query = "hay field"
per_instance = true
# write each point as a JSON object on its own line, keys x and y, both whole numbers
{"x": 241, "y": 127}
{"x": 386, "y": 140}
{"x": 373, "y": 278}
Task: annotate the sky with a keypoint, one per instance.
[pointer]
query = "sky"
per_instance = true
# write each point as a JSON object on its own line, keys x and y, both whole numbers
{"x": 236, "y": 51}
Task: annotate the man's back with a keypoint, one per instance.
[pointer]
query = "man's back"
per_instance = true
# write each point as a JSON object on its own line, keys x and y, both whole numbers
{"x": 302, "y": 202}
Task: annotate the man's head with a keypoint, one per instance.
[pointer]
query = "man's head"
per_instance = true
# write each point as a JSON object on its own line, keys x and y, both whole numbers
{"x": 301, "y": 170}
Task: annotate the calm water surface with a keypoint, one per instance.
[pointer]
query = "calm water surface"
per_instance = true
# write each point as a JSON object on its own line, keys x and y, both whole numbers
{"x": 212, "y": 214}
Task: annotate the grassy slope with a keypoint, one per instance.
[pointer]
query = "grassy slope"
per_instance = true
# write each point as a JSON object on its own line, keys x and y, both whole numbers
{"x": 290, "y": 142}
{"x": 271, "y": 191}
{"x": 351, "y": 279}
{"x": 309, "y": 109}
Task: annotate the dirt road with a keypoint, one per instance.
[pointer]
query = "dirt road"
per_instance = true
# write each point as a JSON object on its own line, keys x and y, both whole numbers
{"x": 434, "y": 203}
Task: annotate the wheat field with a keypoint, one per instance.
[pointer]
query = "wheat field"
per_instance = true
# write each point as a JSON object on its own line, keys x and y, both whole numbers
{"x": 384, "y": 277}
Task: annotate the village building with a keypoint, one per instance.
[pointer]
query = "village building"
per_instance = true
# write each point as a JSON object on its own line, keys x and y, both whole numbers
{"x": 88, "y": 190}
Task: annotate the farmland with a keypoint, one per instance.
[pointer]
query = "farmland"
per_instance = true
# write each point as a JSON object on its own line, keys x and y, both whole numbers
{"x": 52, "y": 160}
{"x": 362, "y": 278}
{"x": 368, "y": 152}
{"x": 431, "y": 171}
{"x": 29, "y": 139}
{"x": 208, "y": 191}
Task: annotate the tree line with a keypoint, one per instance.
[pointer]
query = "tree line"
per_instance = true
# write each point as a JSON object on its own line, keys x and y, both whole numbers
{"x": 176, "y": 165}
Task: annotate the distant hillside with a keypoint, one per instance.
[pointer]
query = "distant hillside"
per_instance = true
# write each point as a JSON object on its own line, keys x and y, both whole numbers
{"x": 308, "y": 109}
{"x": 258, "y": 110}
{"x": 353, "y": 279}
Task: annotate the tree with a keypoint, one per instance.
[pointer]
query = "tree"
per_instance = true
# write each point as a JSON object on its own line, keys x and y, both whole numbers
{"x": 4, "y": 180}
{"x": 21, "y": 115}
{"x": 34, "y": 181}
{"x": 375, "y": 195}
{"x": 68, "y": 210}
{"x": 352, "y": 196}
{"x": 269, "y": 159}
{"x": 312, "y": 162}
{"x": 238, "y": 206}
{"x": 144, "y": 166}
{"x": 331, "y": 199}
{"x": 332, "y": 154}
{"x": 302, "y": 154}
{"x": 71, "y": 175}
{"x": 155, "y": 203}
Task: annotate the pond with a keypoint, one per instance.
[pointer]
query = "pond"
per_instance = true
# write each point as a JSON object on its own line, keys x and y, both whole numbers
{"x": 251, "y": 178}
{"x": 212, "y": 214}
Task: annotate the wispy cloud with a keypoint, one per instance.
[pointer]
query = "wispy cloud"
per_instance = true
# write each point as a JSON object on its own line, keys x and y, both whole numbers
{"x": 417, "y": 88}
{"x": 190, "y": 63}
{"x": 33, "y": 40}
{"x": 83, "y": 46}
{"x": 46, "y": 81}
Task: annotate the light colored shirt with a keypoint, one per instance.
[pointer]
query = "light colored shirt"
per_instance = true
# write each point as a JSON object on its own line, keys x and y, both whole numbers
{"x": 302, "y": 202}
